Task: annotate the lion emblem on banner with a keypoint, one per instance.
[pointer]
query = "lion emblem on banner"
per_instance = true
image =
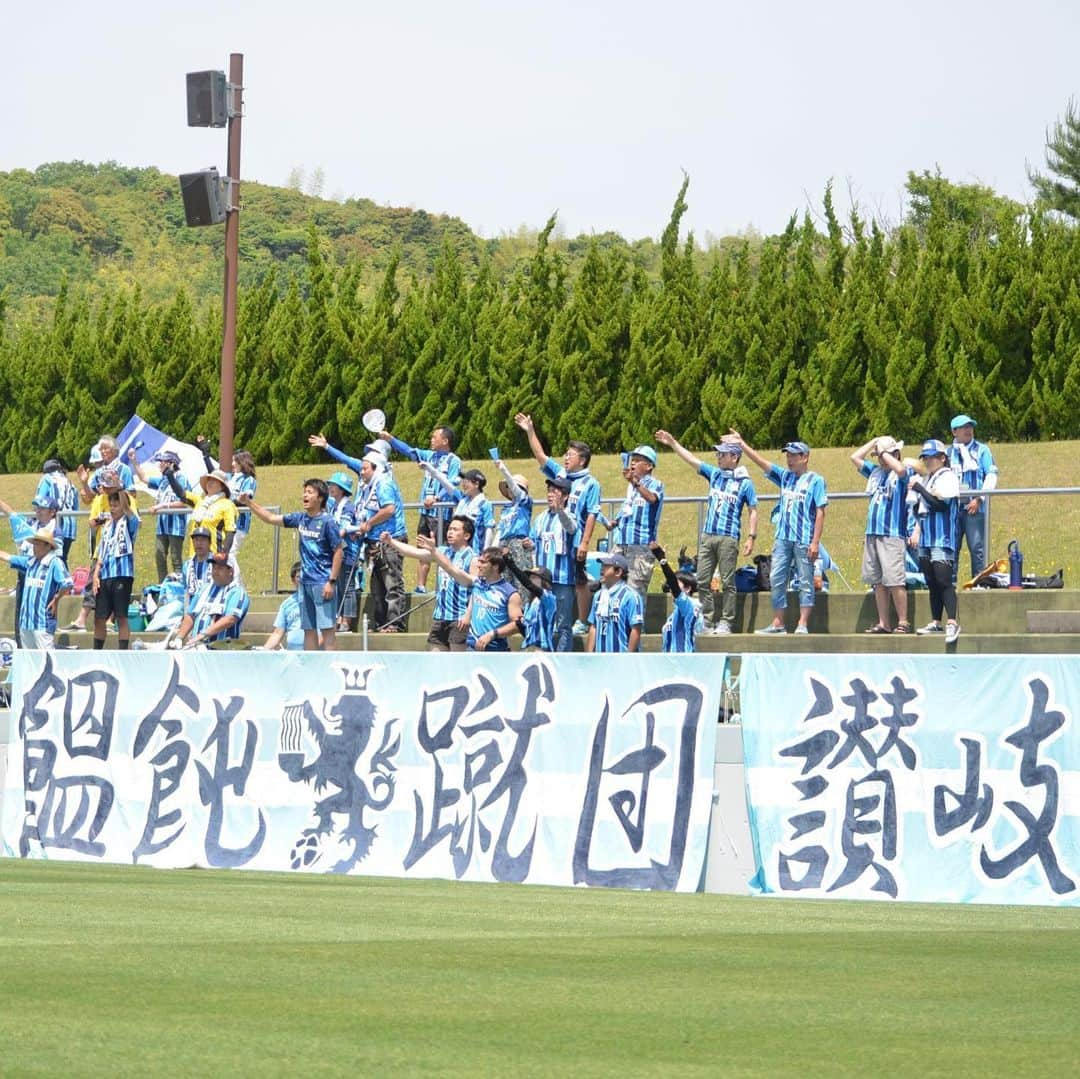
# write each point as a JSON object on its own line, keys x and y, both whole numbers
{"x": 341, "y": 738}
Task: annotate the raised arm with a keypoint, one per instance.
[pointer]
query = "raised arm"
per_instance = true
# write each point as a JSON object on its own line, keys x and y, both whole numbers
{"x": 406, "y": 549}
{"x": 515, "y": 491}
{"x": 734, "y": 436}
{"x": 669, "y": 574}
{"x": 245, "y": 500}
{"x": 524, "y": 421}
{"x": 435, "y": 474}
{"x": 858, "y": 458}
{"x": 665, "y": 438}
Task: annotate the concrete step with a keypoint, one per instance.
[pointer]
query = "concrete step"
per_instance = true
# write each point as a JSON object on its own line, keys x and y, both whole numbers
{"x": 1053, "y": 621}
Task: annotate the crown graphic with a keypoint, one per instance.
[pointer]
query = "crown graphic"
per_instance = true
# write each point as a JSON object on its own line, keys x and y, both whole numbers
{"x": 356, "y": 678}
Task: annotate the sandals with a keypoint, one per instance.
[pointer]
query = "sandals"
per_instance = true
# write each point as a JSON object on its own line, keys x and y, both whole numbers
{"x": 879, "y": 628}
{"x": 903, "y": 627}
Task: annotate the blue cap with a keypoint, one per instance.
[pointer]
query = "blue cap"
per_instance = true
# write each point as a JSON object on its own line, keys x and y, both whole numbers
{"x": 797, "y": 447}
{"x": 961, "y": 421}
{"x": 615, "y": 559}
{"x": 644, "y": 451}
{"x": 342, "y": 480}
{"x": 728, "y": 447}
{"x": 46, "y": 503}
{"x": 933, "y": 447}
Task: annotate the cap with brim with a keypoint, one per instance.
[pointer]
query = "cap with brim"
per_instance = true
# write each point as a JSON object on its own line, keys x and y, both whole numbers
{"x": 797, "y": 447}
{"x": 890, "y": 446}
{"x": 520, "y": 480}
{"x": 44, "y": 502}
{"x": 53, "y": 465}
{"x": 221, "y": 559}
{"x": 109, "y": 479}
{"x": 617, "y": 560}
{"x": 963, "y": 420}
{"x": 475, "y": 475}
{"x": 217, "y": 474}
{"x": 380, "y": 445}
{"x": 44, "y": 535}
{"x": 560, "y": 483}
{"x": 728, "y": 447}
{"x": 95, "y": 455}
{"x": 375, "y": 459}
{"x": 201, "y": 533}
{"x": 543, "y": 573}
{"x": 932, "y": 447}
{"x": 644, "y": 451}
{"x": 342, "y": 480}
{"x": 167, "y": 456}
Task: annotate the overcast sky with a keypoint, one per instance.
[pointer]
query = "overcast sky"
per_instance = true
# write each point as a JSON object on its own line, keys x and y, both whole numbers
{"x": 501, "y": 112}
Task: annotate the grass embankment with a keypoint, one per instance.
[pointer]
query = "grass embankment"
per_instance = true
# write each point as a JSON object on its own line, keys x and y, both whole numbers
{"x": 1046, "y": 526}
{"x": 122, "y": 970}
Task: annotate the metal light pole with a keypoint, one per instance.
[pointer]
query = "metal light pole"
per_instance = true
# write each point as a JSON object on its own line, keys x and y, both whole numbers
{"x": 232, "y": 255}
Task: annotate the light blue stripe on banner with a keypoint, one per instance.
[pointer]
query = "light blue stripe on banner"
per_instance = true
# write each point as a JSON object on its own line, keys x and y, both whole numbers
{"x": 913, "y": 777}
{"x": 593, "y": 770}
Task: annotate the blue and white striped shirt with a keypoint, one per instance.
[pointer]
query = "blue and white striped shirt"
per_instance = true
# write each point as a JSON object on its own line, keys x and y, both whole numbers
{"x": 57, "y": 485}
{"x": 241, "y": 483}
{"x": 169, "y": 524}
{"x": 515, "y": 519}
{"x": 478, "y": 510}
{"x": 615, "y": 611}
{"x": 800, "y": 498}
{"x": 639, "y": 519}
{"x": 344, "y": 513}
{"x": 444, "y": 462}
{"x": 886, "y": 514}
{"x": 683, "y": 625}
{"x": 727, "y": 496}
{"x": 381, "y": 491}
{"x": 539, "y": 619}
{"x": 214, "y": 601}
{"x": 116, "y": 547}
{"x": 938, "y": 528}
{"x": 452, "y": 598}
{"x": 972, "y": 463}
{"x": 584, "y": 497}
{"x": 43, "y": 580}
{"x": 194, "y": 573}
{"x": 553, "y": 547}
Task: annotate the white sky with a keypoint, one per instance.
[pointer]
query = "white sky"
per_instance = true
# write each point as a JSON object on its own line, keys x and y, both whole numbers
{"x": 501, "y": 112}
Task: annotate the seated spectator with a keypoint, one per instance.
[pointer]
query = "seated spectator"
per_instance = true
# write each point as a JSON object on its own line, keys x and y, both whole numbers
{"x": 195, "y": 572}
{"x": 538, "y": 618}
{"x": 288, "y": 633}
{"x": 685, "y": 622}
{"x": 217, "y": 611}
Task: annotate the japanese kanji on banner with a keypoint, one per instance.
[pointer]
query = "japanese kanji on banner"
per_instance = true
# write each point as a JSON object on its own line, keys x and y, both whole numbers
{"x": 593, "y": 770}
{"x": 913, "y": 777}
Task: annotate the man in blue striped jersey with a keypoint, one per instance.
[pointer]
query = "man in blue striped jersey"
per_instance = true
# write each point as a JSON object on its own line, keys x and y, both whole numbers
{"x": 617, "y": 611}
{"x": 515, "y": 520}
{"x": 342, "y": 508}
{"x": 114, "y": 571}
{"x": 973, "y": 464}
{"x": 320, "y": 561}
{"x": 583, "y": 505}
{"x": 171, "y": 527}
{"x": 45, "y": 580}
{"x": 803, "y": 499}
{"x": 217, "y": 611}
{"x": 883, "y": 566}
{"x": 447, "y": 633}
{"x": 936, "y": 535}
{"x": 54, "y": 484}
{"x": 443, "y": 462}
{"x": 552, "y": 540}
{"x": 718, "y": 548}
{"x": 639, "y": 518}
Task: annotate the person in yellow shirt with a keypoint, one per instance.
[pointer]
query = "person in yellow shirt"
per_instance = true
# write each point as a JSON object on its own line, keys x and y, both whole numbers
{"x": 213, "y": 509}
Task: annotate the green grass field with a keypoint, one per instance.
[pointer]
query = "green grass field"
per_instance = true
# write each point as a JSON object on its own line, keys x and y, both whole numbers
{"x": 121, "y": 970}
{"x": 1045, "y": 526}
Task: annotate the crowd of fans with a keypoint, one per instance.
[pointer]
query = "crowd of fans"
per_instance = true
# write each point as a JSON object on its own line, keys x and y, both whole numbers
{"x": 516, "y": 578}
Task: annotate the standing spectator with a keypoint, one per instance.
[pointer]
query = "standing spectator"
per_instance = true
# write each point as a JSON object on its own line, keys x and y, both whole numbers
{"x": 288, "y": 633}
{"x": 114, "y": 570}
{"x": 217, "y": 611}
{"x": 443, "y": 462}
{"x": 475, "y": 505}
{"x": 718, "y": 548}
{"x": 23, "y": 528}
{"x": 617, "y": 611}
{"x": 320, "y": 560}
{"x": 974, "y": 466}
{"x": 684, "y": 623}
{"x": 884, "y": 567}
{"x": 380, "y": 509}
{"x": 494, "y": 611}
{"x": 552, "y": 539}
{"x": 214, "y": 510}
{"x": 936, "y": 535}
{"x": 195, "y": 572}
{"x": 636, "y": 526}
{"x": 448, "y": 629}
{"x": 803, "y": 499}
{"x": 538, "y": 617}
{"x": 342, "y": 508}
{"x": 109, "y": 450}
{"x": 241, "y": 481}
{"x": 515, "y": 520}
{"x": 583, "y": 505}
{"x": 54, "y": 484}
{"x": 380, "y": 446}
{"x": 46, "y": 580}
{"x": 171, "y": 526}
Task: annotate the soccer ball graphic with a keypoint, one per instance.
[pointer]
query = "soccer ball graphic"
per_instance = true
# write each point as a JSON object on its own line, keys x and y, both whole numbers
{"x": 306, "y": 851}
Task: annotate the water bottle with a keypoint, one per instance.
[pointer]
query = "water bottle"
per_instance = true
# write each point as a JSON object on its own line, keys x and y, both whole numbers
{"x": 1016, "y": 566}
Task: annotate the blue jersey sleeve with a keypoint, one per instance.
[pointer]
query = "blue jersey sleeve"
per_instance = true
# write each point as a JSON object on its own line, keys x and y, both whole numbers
{"x": 352, "y": 463}
{"x": 748, "y": 493}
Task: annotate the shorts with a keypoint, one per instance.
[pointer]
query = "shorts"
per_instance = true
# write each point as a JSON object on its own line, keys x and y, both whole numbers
{"x": 884, "y": 562}
{"x": 316, "y": 612}
{"x": 446, "y": 637}
{"x": 113, "y": 597}
{"x": 433, "y": 526}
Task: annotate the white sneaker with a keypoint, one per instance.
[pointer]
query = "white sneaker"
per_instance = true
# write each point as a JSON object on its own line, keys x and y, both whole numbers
{"x": 952, "y": 631}
{"x": 722, "y": 627}
{"x": 581, "y": 629}
{"x": 930, "y": 627}
{"x": 801, "y": 630}
{"x": 770, "y": 629}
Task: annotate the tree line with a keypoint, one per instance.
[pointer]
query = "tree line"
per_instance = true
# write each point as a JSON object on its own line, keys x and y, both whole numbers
{"x": 830, "y": 331}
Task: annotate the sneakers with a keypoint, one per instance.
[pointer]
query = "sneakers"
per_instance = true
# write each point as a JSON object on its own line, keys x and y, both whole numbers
{"x": 931, "y": 627}
{"x": 581, "y": 629}
{"x": 952, "y": 631}
{"x": 722, "y": 627}
{"x": 770, "y": 629}
{"x": 420, "y": 590}
{"x": 801, "y": 630}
